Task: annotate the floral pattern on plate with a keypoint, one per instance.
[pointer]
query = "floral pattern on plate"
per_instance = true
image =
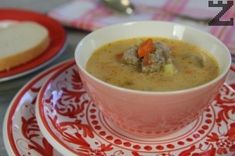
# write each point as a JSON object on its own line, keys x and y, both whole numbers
{"x": 74, "y": 126}
{"x": 22, "y": 135}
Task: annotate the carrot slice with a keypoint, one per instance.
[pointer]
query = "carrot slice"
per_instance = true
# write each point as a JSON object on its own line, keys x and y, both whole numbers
{"x": 145, "y": 48}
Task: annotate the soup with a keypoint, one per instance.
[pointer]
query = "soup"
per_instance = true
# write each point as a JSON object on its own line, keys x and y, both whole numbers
{"x": 152, "y": 64}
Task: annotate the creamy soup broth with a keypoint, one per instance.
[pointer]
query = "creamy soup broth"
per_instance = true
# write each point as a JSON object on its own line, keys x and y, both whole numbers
{"x": 193, "y": 67}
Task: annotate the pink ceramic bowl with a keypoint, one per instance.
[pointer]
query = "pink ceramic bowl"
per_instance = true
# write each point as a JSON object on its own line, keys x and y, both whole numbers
{"x": 151, "y": 113}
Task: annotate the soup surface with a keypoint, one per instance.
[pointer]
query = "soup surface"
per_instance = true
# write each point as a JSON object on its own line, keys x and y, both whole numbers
{"x": 152, "y": 64}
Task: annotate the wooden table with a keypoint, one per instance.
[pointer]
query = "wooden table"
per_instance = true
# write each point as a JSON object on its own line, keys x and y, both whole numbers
{"x": 10, "y": 88}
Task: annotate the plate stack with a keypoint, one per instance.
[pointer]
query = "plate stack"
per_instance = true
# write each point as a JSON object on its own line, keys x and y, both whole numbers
{"x": 54, "y": 115}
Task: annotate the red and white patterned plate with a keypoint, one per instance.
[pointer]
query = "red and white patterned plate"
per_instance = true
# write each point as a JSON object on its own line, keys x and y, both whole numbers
{"x": 71, "y": 122}
{"x": 55, "y": 48}
{"x": 20, "y": 131}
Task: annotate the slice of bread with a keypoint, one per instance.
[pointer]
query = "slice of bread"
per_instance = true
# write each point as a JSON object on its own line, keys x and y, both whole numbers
{"x": 21, "y": 43}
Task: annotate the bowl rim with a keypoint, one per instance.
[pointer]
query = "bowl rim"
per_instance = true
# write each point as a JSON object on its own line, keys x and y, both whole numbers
{"x": 127, "y": 90}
